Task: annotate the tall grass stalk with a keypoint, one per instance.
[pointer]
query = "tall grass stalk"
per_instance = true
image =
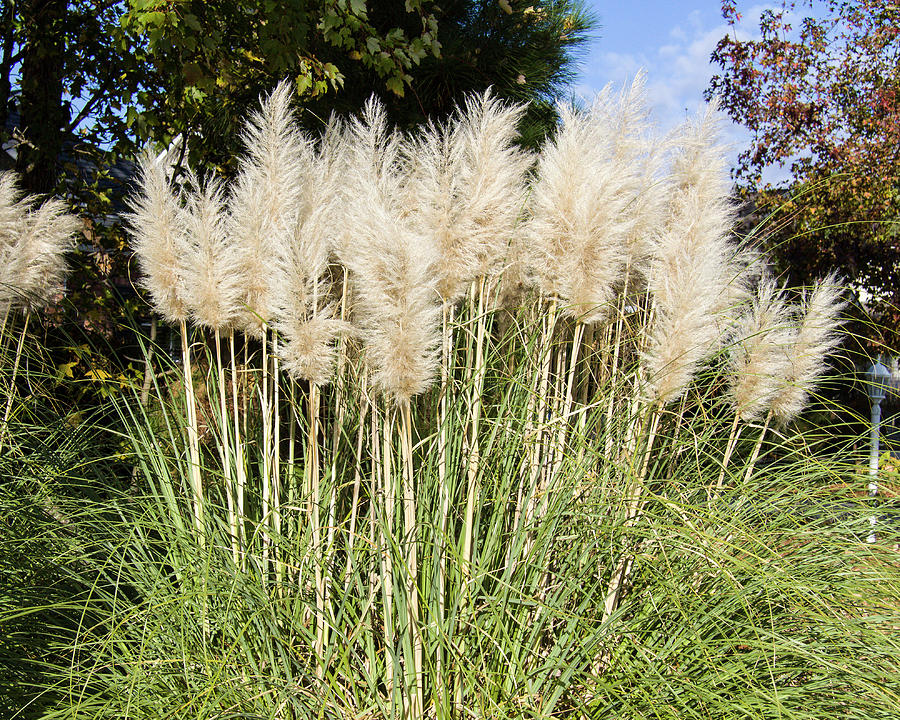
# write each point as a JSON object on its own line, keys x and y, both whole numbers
{"x": 192, "y": 436}
{"x": 11, "y": 392}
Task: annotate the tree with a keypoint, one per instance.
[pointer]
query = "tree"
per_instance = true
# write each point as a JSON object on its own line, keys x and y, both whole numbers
{"x": 116, "y": 74}
{"x": 821, "y": 97}
{"x": 121, "y": 73}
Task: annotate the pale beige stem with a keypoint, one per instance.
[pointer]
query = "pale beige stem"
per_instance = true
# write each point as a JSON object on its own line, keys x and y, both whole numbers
{"x": 240, "y": 470}
{"x": 357, "y": 479}
{"x": 729, "y": 449}
{"x": 475, "y": 383}
{"x": 276, "y": 464}
{"x": 441, "y": 694}
{"x": 563, "y": 418}
{"x": 536, "y": 449}
{"x": 291, "y": 475}
{"x": 386, "y": 532}
{"x": 265, "y": 416}
{"x": 584, "y": 390}
{"x": 410, "y": 534}
{"x": 613, "y": 377}
{"x": 12, "y": 383}
{"x": 193, "y": 437}
{"x": 226, "y": 450}
{"x": 524, "y": 493}
{"x": 376, "y": 531}
{"x": 335, "y": 442}
{"x": 313, "y": 482}
{"x": 756, "y": 448}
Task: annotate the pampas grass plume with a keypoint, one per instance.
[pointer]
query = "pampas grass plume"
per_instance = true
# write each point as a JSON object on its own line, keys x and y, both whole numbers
{"x": 759, "y": 360}
{"x": 263, "y": 203}
{"x": 392, "y": 265}
{"x": 467, "y": 188}
{"x": 211, "y": 265}
{"x": 307, "y": 321}
{"x": 692, "y": 264}
{"x": 13, "y": 209}
{"x": 816, "y": 336}
{"x": 36, "y": 263}
{"x": 160, "y": 244}
{"x": 588, "y": 176}
{"x": 33, "y": 242}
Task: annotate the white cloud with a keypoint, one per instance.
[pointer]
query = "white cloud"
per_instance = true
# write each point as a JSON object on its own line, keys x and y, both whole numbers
{"x": 678, "y": 70}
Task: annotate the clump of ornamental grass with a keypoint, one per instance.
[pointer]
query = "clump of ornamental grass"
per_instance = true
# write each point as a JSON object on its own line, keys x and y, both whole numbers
{"x": 537, "y": 531}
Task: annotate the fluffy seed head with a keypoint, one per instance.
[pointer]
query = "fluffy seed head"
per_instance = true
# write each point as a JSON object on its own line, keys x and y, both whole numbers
{"x": 158, "y": 237}
{"x": 392, "y": 265}
{"x": 34, "y": 265}
{"x": 759, "y": 362}
{"x": 816, "y": 336}
{"x": 13, "y": 209}
{"x": 263, "y": 203}
{"x": 589, "y": 179}
{"x": 306, "y": 320}
{"x": 692, "y": 264}
{"x": 212, "y": 281}
{"x": 467, "y": 189}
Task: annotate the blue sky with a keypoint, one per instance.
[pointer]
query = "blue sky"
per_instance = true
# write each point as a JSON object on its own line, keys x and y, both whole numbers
{"x": 672, "y": 41}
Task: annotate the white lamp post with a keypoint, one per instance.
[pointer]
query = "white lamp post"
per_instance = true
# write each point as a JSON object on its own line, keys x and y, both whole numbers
{"x": 877, "y": 383}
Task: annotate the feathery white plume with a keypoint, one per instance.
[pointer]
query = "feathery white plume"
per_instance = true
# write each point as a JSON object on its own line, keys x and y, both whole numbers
{"x": 306, "y": 318}
{"x": 692, "y": 263}
{"x": 467, "y": 189}
{"x": 213, "y": 287}
{"x": 34, "y": 264}
{"x": 590, "y": 176}
{"x": 13, "y": 209}
{"x": 159, "y": 241}
{"x": 263, "y": 204}
{"x": 816, "y": 336}
{"x": 758, "y": 360}
{"x": 392, "y": 265}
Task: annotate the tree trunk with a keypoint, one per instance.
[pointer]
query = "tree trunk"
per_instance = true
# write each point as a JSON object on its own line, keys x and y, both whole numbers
{"x": 43, "y": 115}
{"x": 7, "y": 38}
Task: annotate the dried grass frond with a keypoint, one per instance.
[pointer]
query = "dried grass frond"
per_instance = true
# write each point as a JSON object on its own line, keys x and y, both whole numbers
{"x": 816, "y": 336}
{"x": 693, "y": 261}
{"x": 467, "y": 188}
{"x": 758, "y": 358}
{"x": 307, "y": 319}
{"x": 213, "y": 287}
{"x": 392, "y": 266}
{"x": 13, "y": 209}
{"x": 159, "y": 241}
{"x": 587, "y": 202}
{"x": 263, "y": 203}
{"x": 36, "y": 263}
{"x": 309, "y": 348}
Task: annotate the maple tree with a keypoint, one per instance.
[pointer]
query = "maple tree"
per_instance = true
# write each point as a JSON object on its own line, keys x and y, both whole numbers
{"x": 819, "y": 91}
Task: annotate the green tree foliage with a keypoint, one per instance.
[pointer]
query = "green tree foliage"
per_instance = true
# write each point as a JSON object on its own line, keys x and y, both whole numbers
{"x": 525, "y": 51}
{"x": 820, "y": 95}
{"x": 94, "y": 81}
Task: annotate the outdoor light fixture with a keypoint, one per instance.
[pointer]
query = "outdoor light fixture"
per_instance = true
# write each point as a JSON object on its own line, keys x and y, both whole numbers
{"x": 878, "y": 379}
